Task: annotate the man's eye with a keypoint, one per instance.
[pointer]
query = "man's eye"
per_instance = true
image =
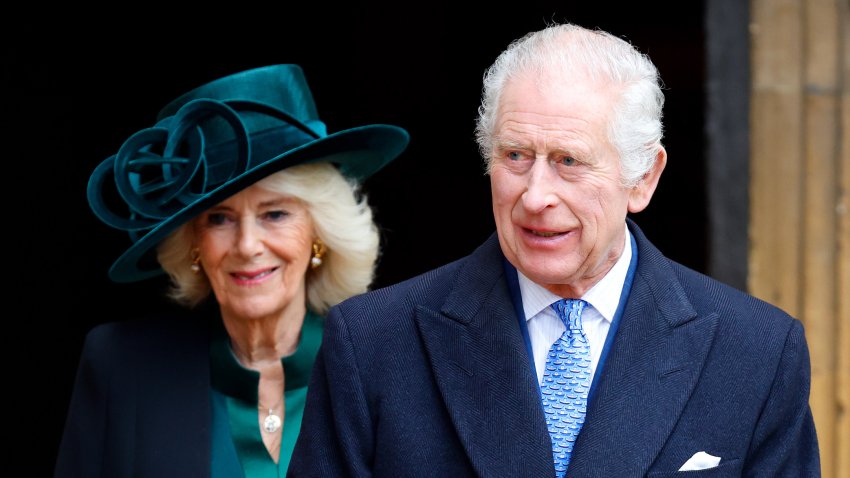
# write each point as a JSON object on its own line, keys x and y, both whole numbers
{"x": 568, "y": 161}
{"x": 514, "y": 155}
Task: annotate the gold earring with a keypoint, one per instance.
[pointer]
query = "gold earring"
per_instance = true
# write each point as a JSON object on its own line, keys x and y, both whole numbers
{"x": 318, "y": 251}
{"x": 196, "y": 261}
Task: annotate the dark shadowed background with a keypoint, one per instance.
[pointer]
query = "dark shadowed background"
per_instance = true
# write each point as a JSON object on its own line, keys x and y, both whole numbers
{"x": 74, "y": 95}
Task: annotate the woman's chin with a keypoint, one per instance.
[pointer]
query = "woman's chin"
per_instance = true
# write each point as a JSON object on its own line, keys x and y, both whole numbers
{"x": 252, "y": 310}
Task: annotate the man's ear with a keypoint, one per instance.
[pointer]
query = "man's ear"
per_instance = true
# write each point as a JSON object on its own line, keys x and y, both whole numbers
{"x": 640, "y": 195}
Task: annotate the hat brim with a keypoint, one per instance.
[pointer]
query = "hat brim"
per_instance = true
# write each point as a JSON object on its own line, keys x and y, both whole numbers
{"x": 358, "y": 152}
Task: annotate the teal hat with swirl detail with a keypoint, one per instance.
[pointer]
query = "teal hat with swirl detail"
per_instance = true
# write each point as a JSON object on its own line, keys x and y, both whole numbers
{"x": 215, "y": 141}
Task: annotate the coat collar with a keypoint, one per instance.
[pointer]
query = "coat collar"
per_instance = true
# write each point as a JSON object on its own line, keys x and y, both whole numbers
{"x": 482, "y": 371}
{"x": 652, "y": 368}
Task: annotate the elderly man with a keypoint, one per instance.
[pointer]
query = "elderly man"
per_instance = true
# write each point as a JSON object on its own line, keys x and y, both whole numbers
{"x": 566, "y": 344}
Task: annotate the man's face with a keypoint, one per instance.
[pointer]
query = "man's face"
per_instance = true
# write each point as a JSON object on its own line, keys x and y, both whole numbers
{"x": 558, "y": 200}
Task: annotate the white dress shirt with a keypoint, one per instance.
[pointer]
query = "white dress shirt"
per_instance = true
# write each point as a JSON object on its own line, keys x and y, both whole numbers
{"x": 544, "y": 326}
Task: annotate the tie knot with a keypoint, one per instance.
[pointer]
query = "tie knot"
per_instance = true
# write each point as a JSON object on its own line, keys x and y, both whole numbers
{"x": 569, "y": 311}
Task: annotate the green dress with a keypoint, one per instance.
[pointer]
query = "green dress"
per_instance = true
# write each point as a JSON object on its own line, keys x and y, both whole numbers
{"x": 237, "y": 446}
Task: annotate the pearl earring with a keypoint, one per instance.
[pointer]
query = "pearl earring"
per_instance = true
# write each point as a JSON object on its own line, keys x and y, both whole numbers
{"x": 318, "y": 251}
{"x": 196, "y": 261}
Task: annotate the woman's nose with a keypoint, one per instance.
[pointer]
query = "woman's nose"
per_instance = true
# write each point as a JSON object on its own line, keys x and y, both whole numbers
{"x": 249, "y": 242}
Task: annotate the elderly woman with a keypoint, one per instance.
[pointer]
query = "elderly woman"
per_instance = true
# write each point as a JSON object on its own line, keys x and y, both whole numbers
{"x": 253, "y": 210}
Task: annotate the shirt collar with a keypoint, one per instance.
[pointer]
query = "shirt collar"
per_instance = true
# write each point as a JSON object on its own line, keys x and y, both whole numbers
{"x": 604, "y": 296}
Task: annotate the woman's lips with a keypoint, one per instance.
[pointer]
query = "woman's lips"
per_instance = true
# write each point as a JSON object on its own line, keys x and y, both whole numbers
{"x": 252, "y": 277}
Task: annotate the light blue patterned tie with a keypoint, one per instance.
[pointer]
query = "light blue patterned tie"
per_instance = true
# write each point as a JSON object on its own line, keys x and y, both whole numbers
{"x": 566, "y": 382}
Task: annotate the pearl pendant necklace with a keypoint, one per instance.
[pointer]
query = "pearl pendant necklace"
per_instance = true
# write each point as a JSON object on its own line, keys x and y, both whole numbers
{"x": 272, "y": 422}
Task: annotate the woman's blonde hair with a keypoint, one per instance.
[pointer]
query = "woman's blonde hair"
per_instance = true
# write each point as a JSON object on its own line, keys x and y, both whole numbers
{"x": 342, "y": 220}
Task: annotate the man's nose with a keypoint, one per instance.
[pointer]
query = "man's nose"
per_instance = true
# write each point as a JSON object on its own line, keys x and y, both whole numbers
{"x": 540, "y": 189}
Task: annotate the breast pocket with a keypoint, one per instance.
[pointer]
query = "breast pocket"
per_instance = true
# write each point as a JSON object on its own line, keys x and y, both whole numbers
{"x": 724, "y": 469}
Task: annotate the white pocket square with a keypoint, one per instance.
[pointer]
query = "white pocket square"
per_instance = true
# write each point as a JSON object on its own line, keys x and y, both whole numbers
{"x": 700, "y": 461}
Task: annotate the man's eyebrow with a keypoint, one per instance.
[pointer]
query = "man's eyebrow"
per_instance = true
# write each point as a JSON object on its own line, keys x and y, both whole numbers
{"x": 508, "y": 143}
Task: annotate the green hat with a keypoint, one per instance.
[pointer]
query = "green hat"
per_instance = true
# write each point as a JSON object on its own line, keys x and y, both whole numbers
{"x": 215, "y": 141}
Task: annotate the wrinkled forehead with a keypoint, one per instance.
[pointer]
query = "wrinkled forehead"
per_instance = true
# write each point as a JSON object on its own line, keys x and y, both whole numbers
{"x": 572, "y": 93}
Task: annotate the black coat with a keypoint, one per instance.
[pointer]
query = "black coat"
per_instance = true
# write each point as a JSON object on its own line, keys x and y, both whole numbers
{"x": 141, "y": 401}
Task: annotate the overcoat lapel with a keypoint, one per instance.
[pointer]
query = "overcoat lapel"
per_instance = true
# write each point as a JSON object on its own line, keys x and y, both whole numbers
{"x": 174, "y": 410}
{"x": 651, "y": 370}
{"x": 482, "y": 370}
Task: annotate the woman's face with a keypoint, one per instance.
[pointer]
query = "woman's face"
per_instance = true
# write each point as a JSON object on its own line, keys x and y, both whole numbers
{"x": 255, "y": 248}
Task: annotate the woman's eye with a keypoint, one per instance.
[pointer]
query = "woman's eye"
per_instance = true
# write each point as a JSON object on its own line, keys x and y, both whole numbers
{"x": 514, "y": 155}
{"x": 275, "y": 215}
{"x": 216, "y": 219}
{"x": 568, "y": 161}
